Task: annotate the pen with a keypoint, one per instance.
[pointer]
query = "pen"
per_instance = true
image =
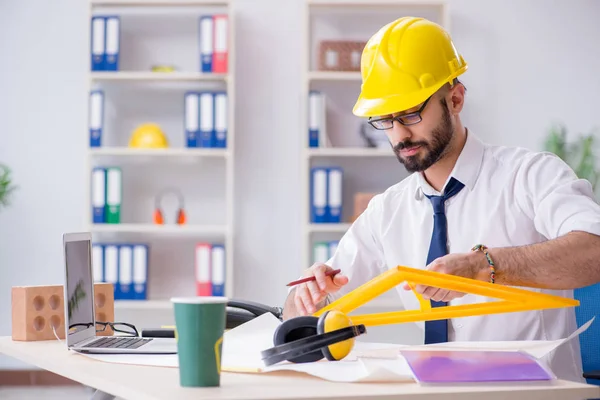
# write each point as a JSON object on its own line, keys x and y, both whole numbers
{"x": 312, "y": 278}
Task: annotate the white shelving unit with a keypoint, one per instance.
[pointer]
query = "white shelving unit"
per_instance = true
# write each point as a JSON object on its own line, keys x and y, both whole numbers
{"x": 365, "y": 169}
{"x": 171, "y": 26}
{"x": 97, "y": 76}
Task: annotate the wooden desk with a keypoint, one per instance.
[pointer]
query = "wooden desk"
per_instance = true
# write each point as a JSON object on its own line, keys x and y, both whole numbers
{"x": 152, "y": 383}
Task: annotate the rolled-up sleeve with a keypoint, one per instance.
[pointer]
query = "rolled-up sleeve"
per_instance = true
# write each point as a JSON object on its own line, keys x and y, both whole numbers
{"x": 359, "y": 253}
{"x": 559, "y": 201}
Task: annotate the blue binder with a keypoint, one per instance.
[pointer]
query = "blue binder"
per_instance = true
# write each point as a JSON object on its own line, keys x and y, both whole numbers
{"x": 140, "y": 271}
{"x": 113, "y": 36}
{"x": 98, "y": 195}
{"x": 206, "y": 40}
{"x": 98, "y": 43}
{"x": 220, "y": 119}
{"x": 315, "y": 104}
{"x": 125, "y": 272}
{"x": 98, "y": 262}
{"x": 218, "y": 270}
{"x": 207, "y": 119}
{"x": 111, "y": 267}
{"x": 334, "y": 195}
{"x": 192, "y": 118}
{"x": 318, "y": 195}
{"x": 96, "y": 117}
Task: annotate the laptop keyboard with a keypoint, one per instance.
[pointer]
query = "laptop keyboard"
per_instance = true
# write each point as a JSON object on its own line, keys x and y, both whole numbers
{"x": 119, "y": 342}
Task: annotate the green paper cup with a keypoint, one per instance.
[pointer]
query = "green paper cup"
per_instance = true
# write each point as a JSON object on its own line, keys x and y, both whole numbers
{"x": 199, "y": 324}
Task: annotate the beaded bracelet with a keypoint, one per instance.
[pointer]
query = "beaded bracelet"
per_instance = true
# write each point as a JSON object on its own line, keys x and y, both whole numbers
{"x": 483, "y": 248}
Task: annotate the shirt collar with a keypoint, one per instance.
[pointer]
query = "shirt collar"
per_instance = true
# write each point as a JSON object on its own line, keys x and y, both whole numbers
{"x": 466, "y": 169}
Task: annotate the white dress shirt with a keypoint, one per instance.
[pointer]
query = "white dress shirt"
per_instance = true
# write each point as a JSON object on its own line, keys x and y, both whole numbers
{"x": 512, "y": 197}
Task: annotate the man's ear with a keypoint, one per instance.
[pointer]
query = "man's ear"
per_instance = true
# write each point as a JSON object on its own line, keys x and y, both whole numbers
{"x": 456, "y": 98}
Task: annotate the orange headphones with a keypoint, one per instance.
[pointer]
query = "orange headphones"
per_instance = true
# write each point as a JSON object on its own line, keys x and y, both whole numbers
{"x": 158, "y": 214}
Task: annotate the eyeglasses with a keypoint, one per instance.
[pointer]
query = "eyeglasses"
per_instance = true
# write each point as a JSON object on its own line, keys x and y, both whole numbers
{"x": 405, "y": 119}
{"x": 121, "y": 327}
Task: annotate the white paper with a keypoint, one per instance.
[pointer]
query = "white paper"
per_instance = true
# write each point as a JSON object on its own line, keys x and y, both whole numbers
{"x": 536, "y": 348}
{"x": 367, "y": 362}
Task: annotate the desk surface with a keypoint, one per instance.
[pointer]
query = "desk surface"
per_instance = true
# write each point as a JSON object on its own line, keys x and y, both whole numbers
{"x": 153, "y": 383}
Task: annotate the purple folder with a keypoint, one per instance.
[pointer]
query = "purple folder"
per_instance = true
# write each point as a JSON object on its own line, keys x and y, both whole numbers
{"x": 440, "y": 366}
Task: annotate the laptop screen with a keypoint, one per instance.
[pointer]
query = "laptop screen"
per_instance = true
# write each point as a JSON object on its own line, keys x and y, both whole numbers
{"x": 79, "y": 287}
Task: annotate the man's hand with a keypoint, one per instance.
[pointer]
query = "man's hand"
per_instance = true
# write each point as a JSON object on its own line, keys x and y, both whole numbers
{"x": 469, "y": 265}
{"x": 306, "y": 296}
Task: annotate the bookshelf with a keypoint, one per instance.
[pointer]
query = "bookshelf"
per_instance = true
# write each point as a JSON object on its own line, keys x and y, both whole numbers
{"x": 163, "y": 32}
{"x": 156, "y": 76}
{"x": 365, "y": 169}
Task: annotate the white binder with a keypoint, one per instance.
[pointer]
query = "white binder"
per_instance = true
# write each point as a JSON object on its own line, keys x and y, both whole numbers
{"x": 98, "y": 262}
{"x": 334, "y": 195}
{"x": 111, "y": 266}
{"x": 140, "y": 271}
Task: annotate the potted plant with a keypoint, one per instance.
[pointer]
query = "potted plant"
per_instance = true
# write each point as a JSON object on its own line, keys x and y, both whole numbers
{"x": 6, "y": 185}
{"x": 580, "y": 154}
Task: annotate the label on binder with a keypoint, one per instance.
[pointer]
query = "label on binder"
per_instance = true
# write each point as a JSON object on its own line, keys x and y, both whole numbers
{"x": 98, "y": 195}
{"x": 335, "y": 195}
{"x": 319, "y": 195}
{"x": 111, "y": 266}
{"x": 191, "y": 119}
{"x": 98, "y": 262}
{"x": 98, "y": 53}
{"x": 203, "y": 270}
{"x": 220, "y": 120}
{"x": 96, "y": 114}
{"x": 206, "y": 43}
{"x": 112, "y": 43}
{"x": 140, "y": 271}
{"x": 206, "y": 119}
{"x": 220, "y": 57}
{"x": 218, "y": 270}
{"x": 125, "y": 272}
{"x": 113, "y": 195}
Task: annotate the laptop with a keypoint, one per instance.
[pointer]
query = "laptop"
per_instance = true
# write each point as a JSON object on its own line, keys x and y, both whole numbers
{"x": 80, "y": 313}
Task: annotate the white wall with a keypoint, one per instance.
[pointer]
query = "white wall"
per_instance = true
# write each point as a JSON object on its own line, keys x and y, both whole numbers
{"x": 531, "y": 63}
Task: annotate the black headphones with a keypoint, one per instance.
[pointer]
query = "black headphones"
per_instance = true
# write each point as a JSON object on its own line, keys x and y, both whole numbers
{"x": 158, "y": 214}
{"x": 309, "y": 338}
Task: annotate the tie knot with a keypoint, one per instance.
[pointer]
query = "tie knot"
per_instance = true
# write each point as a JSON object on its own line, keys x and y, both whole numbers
{"x": 438, "y": 204}
{"x": 452, "y": 188}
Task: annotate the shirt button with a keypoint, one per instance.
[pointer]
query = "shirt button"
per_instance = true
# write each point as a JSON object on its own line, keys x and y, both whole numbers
{"x": 458, "y": 326}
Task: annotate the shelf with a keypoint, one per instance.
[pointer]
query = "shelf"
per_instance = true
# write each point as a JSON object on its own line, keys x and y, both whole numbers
{"x": 132, "y": 152}
{"x": 156, "y": 76}
{"x": 143, "y": 304}
{"x": 159, "y": 3}
{"x": 328, "y": 227}
{"x": 350, "y": 152}
{"x": 375, "y": 3}
{"x": 152, "y": 228}
{"x": 334, "y": 76}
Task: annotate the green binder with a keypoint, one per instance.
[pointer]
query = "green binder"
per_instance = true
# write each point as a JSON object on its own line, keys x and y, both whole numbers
{"x": 113, "y": 195}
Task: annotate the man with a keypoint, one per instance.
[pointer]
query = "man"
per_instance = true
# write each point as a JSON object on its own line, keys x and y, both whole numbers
{"x": 539, "y": 223}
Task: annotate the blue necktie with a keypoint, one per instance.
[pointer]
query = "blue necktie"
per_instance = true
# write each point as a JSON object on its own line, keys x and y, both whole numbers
{"x": 437, "y": 331}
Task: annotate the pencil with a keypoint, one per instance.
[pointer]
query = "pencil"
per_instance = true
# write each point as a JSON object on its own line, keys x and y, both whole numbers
{"x": 312, "y": 278}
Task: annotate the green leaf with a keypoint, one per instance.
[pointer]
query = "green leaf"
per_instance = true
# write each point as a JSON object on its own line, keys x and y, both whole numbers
{"x": 6, "y": 186}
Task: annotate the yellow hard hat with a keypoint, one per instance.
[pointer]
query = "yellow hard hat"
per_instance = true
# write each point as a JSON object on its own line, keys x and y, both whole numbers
{"x": 148, "y": 136}
{"x": 403, "y": 64}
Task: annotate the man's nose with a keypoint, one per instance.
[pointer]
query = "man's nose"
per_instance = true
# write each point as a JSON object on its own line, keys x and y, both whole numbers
{"x": 399, "y": 133}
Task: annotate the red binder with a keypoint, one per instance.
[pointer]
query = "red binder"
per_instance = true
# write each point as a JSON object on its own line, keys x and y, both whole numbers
{"x": 221, "y": 44}
{"x": 203, "y": 268}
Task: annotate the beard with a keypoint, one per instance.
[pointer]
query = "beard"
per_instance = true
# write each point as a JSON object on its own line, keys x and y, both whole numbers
{"x": 434, "y": 149}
